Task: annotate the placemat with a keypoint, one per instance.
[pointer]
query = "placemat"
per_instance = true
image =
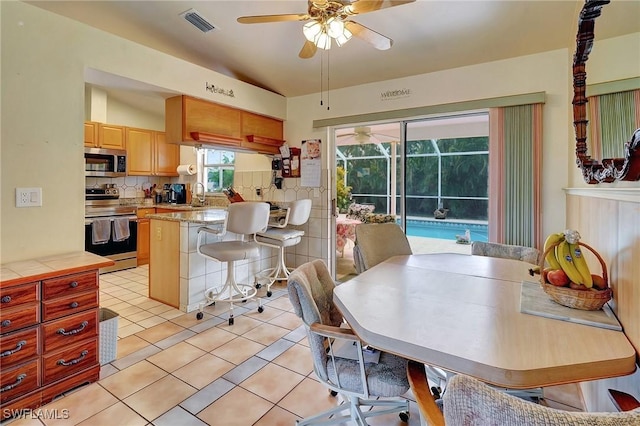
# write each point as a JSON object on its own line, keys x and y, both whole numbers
{"x": 534, "y": 301}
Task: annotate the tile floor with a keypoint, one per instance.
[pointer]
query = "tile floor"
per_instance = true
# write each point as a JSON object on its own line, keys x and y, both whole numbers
{"x": 172, "y": 369}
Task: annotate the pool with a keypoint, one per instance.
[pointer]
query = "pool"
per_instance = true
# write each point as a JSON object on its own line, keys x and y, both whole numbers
{"x": 445, "y": 229}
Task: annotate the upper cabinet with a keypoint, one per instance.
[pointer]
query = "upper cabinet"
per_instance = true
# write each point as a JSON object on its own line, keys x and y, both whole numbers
{"x": 99, "y": 135}
{"x": 192, "y": 121}
{"x": 148, "y": 154}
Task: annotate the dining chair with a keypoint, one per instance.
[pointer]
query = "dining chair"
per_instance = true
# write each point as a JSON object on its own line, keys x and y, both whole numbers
{"x": 243, "y": 219}
{"x": 280, "y": 235}
{"x": 468, "y": 402}
{"x": 364, "y": 377}
{"x": 376, "y": 242}
{"x": 506, "y": 251}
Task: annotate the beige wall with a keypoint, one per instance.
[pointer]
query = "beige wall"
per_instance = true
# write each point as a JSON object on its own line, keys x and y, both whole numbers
{"x": 44, "y": 60}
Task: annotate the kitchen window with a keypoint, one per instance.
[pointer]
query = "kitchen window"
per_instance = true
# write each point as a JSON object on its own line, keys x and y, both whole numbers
{"x": 217, "y": 169}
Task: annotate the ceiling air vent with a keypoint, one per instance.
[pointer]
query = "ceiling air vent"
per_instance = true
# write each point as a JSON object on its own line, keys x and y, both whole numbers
{"x": 197, "y": 20}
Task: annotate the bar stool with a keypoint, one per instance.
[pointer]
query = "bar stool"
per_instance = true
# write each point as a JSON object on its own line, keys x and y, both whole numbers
{"x": 279, "y": 236}
{"x": 244, "y": 218}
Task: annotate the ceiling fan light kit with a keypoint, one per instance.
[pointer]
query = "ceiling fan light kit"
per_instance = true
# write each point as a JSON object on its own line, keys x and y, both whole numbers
{"x": 329, "y": 21}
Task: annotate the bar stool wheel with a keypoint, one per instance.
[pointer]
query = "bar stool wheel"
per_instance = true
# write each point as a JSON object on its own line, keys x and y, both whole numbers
{"x": 260, "y": 309}
{"x": 404, "y": 416}
{"x": 199, "y": 315}
{"x": 269, "y": 293}
{"x": 231, "y": 321}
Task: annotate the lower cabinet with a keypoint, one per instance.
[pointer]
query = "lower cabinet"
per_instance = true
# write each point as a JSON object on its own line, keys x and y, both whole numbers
{"x": 143, "y": 235}
{"x": 49, "y": 341}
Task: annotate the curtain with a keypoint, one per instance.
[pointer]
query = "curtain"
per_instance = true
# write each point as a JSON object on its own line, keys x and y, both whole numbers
{"x": 515, "y": 172}
{"x": 613, "y": 117}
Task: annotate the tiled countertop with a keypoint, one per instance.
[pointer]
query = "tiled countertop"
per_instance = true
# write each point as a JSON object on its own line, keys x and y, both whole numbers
{"x": 25, "y": 271}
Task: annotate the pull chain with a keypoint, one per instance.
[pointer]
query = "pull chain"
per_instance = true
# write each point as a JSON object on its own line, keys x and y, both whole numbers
{"x": 328, "y": 87}
{"x": 321, "y": 76}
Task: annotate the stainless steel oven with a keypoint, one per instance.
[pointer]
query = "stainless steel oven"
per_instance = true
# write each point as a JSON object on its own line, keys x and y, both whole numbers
{"x": 102, "y": 204}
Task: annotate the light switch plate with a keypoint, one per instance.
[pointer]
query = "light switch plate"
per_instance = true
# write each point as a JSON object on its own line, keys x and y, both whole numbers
{"x": 28, "y": 197}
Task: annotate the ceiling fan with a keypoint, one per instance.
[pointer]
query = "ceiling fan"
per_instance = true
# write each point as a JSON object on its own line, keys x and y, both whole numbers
{"x": 363, "y": 135}
{"x": 330, "y": 20}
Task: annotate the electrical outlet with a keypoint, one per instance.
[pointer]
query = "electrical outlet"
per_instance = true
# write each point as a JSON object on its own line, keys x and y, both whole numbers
{"x": 28, "y": 197}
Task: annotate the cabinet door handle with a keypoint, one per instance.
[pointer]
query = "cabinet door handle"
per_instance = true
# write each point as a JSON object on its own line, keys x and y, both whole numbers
{"x": 6, "y": 299}
{"x": 19, "y": 380}
{"x": 19, "y": 346}
{"x": 75, "y": 361}
{"x": 73, "y": 284}
{"x": 5, "y": 323}
{"x": 83, "y": 325}
{"x": 74, "y": 305}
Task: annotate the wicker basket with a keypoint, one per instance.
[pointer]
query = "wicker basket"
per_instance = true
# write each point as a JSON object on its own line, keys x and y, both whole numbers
{"x": 108, "y": 335}
{"x": 591, "y": 300}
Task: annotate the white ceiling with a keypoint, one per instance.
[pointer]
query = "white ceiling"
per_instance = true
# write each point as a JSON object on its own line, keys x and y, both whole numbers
{"x": 428, "y": 36}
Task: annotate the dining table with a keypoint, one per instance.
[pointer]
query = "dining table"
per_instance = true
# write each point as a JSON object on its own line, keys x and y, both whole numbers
{"x": 462, "y": 313}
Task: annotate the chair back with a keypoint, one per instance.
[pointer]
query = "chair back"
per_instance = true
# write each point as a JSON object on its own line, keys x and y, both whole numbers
{"x": 310, "y": 288}
{"x": 376, "y": 242}
{"x": 299, "y": 212}
{"x": 247, "y": 217}
{"x": 506, "y": 251}
{"x": 468, "y": 401}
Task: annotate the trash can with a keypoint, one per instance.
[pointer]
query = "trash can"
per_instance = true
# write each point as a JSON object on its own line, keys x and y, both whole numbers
{"x": 108, "y": 335}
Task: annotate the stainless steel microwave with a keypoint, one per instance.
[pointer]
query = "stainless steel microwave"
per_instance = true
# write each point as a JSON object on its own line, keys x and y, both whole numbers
{"x": 105, "y": 162}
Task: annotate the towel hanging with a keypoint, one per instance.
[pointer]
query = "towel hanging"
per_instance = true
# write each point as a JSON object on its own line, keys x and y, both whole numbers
{"x": 120, "y": 229}
{"x": 100, "y": 231}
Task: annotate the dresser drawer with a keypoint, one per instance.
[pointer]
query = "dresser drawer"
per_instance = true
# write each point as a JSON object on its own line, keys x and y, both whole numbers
{"x": 70, "y": 360}
{"x": 14, "y": 296}
{"x": 19, "y": 346}
{"x": 52, "y": 309}
{"x": 19, "y": 317}
{"x": 69, "y": 330}
{"x": 19, "y": 380}
{"x": 69, "y": 284}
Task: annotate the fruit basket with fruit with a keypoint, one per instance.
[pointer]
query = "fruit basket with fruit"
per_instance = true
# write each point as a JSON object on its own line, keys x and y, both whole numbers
{"x": 567, "y": 279}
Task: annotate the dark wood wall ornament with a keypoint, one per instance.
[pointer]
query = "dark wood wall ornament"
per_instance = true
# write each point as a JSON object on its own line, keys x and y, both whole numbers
{"x": 609, "y": 169}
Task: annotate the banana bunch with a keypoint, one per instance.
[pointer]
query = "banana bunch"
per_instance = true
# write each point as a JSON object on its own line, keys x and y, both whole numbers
{"x": 567, "y": 256}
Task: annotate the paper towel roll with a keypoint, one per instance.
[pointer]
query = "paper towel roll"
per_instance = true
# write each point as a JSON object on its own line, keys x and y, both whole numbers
{"x": 187, "y": 169}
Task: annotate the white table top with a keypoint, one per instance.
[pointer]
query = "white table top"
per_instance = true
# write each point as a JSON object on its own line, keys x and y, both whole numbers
{"x": 462, "y": 313}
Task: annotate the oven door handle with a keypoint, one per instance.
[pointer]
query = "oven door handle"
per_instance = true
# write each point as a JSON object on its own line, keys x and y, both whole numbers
{"x": 89, "y": 221}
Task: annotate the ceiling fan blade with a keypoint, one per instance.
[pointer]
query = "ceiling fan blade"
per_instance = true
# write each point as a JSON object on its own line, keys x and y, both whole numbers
{"x": 364, "y": 6}
{"x": 376, "y": 39}
{"x": 308, "y": 50}
{"x": 273, "y": 18}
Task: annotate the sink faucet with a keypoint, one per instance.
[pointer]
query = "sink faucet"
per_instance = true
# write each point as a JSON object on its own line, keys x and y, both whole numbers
{"x": 201, "y": 199}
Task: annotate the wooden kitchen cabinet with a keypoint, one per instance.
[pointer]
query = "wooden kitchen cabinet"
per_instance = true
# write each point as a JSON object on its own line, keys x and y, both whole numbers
{"x": 148, "y": 153}
{"x": 49, "y": 338}
{"x": 164, "y": 264}
{"x": 186, "y": 114}
{"x": 144, "y": 227}
{"x": 100, "y": 135}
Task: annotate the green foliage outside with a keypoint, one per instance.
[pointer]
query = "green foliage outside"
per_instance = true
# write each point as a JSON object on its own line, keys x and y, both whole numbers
{"x": 463, "y": 175}
{"x": 343, "y": 192}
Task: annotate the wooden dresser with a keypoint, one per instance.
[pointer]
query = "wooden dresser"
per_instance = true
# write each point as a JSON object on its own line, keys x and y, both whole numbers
{"x": 49, "y": 322}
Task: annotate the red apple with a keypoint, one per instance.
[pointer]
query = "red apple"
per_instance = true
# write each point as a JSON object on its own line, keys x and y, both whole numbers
{"x": 599, "y": 282}
{"x": 558, "y": 278}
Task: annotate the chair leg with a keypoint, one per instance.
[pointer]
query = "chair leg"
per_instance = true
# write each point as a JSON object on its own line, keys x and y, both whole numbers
{"x": 230, "y": 292}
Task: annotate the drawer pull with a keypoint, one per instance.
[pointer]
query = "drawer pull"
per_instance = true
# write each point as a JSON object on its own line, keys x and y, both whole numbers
{"x": 6, "y": 323}
{"x": 19, "y": 346}
{"x": 75, "y": 361}
{"x": 74, "y": 305}
{"x": 73, "y": 284}
{"x": 6, "y": 299}
{"x": 83, "y": 325}
{"x": 19, "y": 379}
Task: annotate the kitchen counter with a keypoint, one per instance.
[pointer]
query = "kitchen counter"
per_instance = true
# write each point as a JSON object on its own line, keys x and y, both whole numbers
{"x": 206, "y": 216}
{"x": 26, "y": 271}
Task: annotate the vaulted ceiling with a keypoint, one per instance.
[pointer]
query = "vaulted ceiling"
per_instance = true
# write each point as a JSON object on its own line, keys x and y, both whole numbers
{"x": 428, "y": 36}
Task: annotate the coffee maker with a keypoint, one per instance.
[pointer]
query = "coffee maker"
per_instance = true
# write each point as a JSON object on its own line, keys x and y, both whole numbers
{"x": 177, "y": 193}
